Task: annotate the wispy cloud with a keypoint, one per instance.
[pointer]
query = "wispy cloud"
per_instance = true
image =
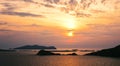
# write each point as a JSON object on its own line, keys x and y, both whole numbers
{"x": 10, "y": 10}
{"x": 22, "y": 14}
{"x": 97, "y": 11}
{"x": 3, "y": 23}
{"x": 8, "y": 7}
{"x": 29, "y": 1}
{"x": 82, "y": 15}
{"x": 5, "y": 30}
{"x": 47, "y": 5}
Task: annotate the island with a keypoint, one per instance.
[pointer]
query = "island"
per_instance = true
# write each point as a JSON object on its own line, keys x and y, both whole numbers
{"x": 6, "y": 50}
{"x": 111, "y": 52}
{"x": 44, "y": 53}
{"x": 35, "y": 47}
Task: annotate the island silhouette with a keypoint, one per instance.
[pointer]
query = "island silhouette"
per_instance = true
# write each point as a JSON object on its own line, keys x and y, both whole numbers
{"x": 35, "y": 47}
{"x": 110, "y": 52}
{"x": 44, "y": 53}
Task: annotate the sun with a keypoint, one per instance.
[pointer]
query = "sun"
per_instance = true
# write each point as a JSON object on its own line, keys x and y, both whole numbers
{"x": 70, "y": 25}
{"x": 70, "y": 33}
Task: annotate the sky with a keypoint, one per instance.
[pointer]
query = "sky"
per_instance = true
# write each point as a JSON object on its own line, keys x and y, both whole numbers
{"x": 60, "y": 23}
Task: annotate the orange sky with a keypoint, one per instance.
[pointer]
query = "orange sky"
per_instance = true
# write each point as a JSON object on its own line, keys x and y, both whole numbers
{"x": 62, "y": 23}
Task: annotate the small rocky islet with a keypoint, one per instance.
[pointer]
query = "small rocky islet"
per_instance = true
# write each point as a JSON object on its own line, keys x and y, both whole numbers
{"x": 44, "y": 53}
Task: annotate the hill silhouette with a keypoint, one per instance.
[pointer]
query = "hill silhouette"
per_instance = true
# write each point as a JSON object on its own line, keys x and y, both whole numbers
{"x": 35, "y": 47}
{"x": 44, "y": 53}
{"x": 111, "y": 52}
{"x": 5, "y": 50}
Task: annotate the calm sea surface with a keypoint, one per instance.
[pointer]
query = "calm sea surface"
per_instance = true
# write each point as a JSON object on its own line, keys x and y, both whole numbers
{"x": 15, "y": 59}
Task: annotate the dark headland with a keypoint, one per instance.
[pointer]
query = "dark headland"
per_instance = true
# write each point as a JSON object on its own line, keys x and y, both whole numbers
{"x": 111, "y": 52}
{"x": 35, "y": 47}
{"x": 6, "y": 50}
{"x": 44, "y": 53}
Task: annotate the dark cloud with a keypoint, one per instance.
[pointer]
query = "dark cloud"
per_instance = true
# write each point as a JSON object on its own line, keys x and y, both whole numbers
{"x": 103, "y": 29}
{"x": 9, "y": 10}
{"x": 8, "y": 6}
{"x": 86, "y": 3}
{"x": 47, "y": 32}
{"x": 73, "y": 2}
{"x": 5, "y": 30}
{"x": 48, "y": 1}
{"x": 56, "y": 1}
{"x": 82, "y": 15}
{"x": 111, "y": 25}
{"x": 47, "y": 5}
{"x": 64, "y": 9}
{"x": 28, "y": 0}
{"x": 52, "y": 1}
{"x": 22, "y": 14}
{"x": 35, "y": 25}
{"x": 3, "y": 23}
{"x": 30, "y": 25}
{"x": 102, "y": 1}
{"x": 97, "y": 11}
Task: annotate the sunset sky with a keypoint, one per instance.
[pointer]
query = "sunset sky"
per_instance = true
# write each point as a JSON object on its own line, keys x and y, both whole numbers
{"x": 60, "y": 23}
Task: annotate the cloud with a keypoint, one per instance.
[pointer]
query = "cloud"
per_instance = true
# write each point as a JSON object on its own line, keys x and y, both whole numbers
{"x": 97, "y": 11}
{"x": 3, "y": 23}
{"x": 22, "y": 14}
{"x": 14, "y": 25}
{"x": 56, "y": 1}
{"x": 5, "y": 30}
{"x": 111, "y": 25}
{"x": 47, "y": 5}
{"x": 10, "y": 10}
{"x": 102, "y": 1}
{"x": 101, "y": 30}
{"x": 48, "y": 1}
{"x": 52, "y": 1}
{"x": 82, "y": 15}
{"x": 31, "y": 25}
{"x": 89, "y": 7}
{"x": 111, "y": 29}
{"x": 29, "y": 1}
{"x": 8, "y": 6}
{"x": 73, "y": 2}
{"x": 86, "y": 3}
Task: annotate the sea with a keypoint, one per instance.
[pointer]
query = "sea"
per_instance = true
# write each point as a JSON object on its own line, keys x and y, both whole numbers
{"x": 28, "y": 58}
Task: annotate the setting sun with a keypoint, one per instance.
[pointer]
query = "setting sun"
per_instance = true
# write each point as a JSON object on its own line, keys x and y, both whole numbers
{"x": 70, "y": 33}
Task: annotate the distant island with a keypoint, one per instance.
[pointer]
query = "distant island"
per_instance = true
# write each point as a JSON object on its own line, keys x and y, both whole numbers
{"x": 35, "y": 47}
{"x": 5, "y": 50}
{"x": 44, "y": 53}
{"x": 111, "y": 52}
